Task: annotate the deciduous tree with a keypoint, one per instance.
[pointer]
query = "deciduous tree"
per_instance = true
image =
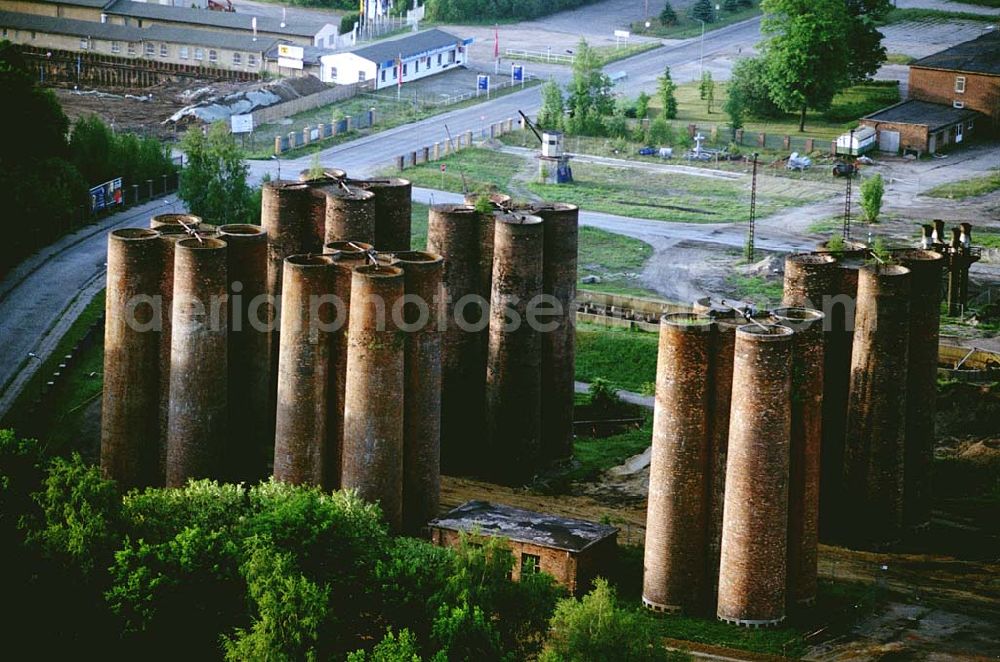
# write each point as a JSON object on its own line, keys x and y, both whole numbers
{"x": 214, "y": 181}
{"x": 666, "y": 88}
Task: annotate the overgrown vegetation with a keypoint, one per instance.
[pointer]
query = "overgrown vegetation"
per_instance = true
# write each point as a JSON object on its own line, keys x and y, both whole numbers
{"x": 479, "y": 11}
{"x": 872, "y": 190}
{"x": 266, "y": 572}
{"x": 967, "y": 188}
{"x": 624, "y": 359}
{"x": 214, "y": 181}
{"x": 615, "y": 259}
{"x": 48, "y": 170}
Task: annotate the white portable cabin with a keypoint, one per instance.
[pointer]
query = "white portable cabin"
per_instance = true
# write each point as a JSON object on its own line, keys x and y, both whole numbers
{"x": 863, "y": 139}
{"x": 552, "y": 144}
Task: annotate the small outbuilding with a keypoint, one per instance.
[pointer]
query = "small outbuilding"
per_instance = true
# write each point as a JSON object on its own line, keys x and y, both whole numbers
{"x": 573, "y": 551}
{"x": 393, "y": 61}
{"x": 922, "y": 127}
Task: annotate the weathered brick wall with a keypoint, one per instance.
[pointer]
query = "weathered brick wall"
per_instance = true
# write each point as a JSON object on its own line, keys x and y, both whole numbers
{"x": 982, "y": 92}
{"x": 911, "y": 136}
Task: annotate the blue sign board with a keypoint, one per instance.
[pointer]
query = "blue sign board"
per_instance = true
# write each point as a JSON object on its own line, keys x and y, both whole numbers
{"x": 517, "y": 73}
{"x": 106, "y": 195}
{"x": 483, "y": 82}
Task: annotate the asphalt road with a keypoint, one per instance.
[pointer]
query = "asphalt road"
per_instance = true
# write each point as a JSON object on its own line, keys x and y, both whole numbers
{"x": 366, "y": 155}
{"x": 44, "y": 295}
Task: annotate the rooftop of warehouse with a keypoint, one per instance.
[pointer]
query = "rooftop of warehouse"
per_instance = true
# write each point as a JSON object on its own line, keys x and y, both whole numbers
{"x": 980, "y": 55}
{"x": 925, "y": 113}
{"x": 409, "y": 46}
{"x": 218, "y": 19}
{"x": 545, "y": 530}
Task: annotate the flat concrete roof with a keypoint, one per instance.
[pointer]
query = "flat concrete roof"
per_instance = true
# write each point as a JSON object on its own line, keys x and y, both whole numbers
{"x": 542, "y": 529}
{"x": 924, "y": 113}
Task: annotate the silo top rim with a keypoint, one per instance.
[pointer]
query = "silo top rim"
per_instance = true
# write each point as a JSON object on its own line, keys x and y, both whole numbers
{"x": 379, "y": 271}
{"x": 418, "y": 257}
{"x": 353, "y": 193}
{"x": 309, "y": 260}
{"x": 918, "y": 255}
{"x": 517, "y": 219}
{"x": 686, "y": 320}
{"x": 453, "y": 208}
{"x": 798, "y": 314}
{"x": 380, "y": 182}
{"x": 813, "y": 258}
{"x": 204, "y": 244}
{"x": 891, "y": 270}
{"x": 134, "y": 234}
{"x": 764, "y": 332}
{"x": 348, "y": 247}
{"x": 242, "y": 229}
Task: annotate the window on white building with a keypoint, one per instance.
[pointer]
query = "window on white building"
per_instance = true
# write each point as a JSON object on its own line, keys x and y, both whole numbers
{"x": 451, "y": 57}
{"x": 416, "y": 66}
{"x": 252, "y": 60}
{"x": 439, "y": 59}
{"x": 131, "y": 48}
{"x": 428, "y": 61}
{"x": 84, "y": 44}
{"x": 405, "y": 67}
{"x": 361, "y": 76}
{"x": 199, "y": 54}
{"x": 213, "y": 56}
{"x": 333, "y": 73}
{"x": 164, "y": 51}
{"x": 383, "y": 75}
{"x": 183, "y": 52}
{"x": 237, "y": 59}
{"x": 116, "y": 47}
{"x": 960, "y": 84}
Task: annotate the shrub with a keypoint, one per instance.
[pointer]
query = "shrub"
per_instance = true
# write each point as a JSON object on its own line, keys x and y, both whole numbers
{"x": 872, "y": 190}
{"x": 668, "y": 16}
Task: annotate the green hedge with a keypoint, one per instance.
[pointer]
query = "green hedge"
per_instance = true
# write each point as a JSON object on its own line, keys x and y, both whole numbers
{"x": 485, "y": 11}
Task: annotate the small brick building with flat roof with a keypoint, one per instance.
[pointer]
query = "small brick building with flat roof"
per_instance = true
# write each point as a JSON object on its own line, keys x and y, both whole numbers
{"x": 923, "y": 127}
{"x": 573, "y": 551}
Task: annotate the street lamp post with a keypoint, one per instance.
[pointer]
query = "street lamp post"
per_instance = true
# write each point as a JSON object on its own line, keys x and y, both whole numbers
{"x": 275, "y": 157}
{"x": 701, "y": 57}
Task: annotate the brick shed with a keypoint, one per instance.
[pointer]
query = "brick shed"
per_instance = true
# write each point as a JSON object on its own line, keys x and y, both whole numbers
{"x": 924, "y": 127}
{"x": 573, "y": 551}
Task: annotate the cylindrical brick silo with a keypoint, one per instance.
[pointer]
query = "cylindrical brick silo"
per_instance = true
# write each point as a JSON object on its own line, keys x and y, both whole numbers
{"x": 453, "y": 231}
{"x": 373, "y": 417}
{"x": 720, "y": 398}
{"x": 346, "y": 256}
{"x": 422, "y": 274}
{"x": 196, "y": 433}
{"x": 755, "y": 519}
{"x": 350, "y": 215}
{"x": 809, "y": 277}
{"x": 169, "y": 236}
{"x": 250, "y": 447}
{"x": 921, "y": 381}
{"x": 286, "y": 215}
{"x": 876, "y": 411}
{"x": 513, "y": 371}
{"x": 674, "y": 562}
{"x": 300, "y": 436}
{"x": 393, "y": 206}
{"x": 129, "y": 424}
{"x": 561, "y": 239}
{"x": 804, "y": 453}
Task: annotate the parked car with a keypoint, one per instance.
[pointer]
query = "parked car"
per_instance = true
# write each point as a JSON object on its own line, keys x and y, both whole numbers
{"x": 647, "y": 151}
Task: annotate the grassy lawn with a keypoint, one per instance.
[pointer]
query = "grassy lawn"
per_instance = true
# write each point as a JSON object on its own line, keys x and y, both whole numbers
{"x": 986, "y": 239}
{"x": 906, "y": 15}
{"x": 967, "y": 188}
{"x": 615, "y": 258}
{"x": 481, "y": 167}
{"x": 898, "y": 58}
{"x": 626, "y": 359}
{"x": 763, "y": 292}
{"x": 418, "y": 227}
{"x": 75, "y": 391}
{"x": 688, "y": 27}
{"x": 826, "y": 225}
{"x": 847, "y": 107}
{"x": 667, "y": 196}
{"x": 595, "y": 455}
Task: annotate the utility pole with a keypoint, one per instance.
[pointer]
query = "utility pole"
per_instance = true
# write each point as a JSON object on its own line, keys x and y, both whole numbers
{"x": 847, "y": 193}
{"x": 753, "y": 211}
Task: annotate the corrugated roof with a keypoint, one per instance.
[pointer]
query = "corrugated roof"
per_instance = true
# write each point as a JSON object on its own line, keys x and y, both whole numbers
{"x": 109, "y": 32}
{"x": 235, "y": 21}
{"x": 980, "y": 55}
{"x": 408, "y": 46}
{"x": 924, "y": 113}
{"x": 541, "y": 529}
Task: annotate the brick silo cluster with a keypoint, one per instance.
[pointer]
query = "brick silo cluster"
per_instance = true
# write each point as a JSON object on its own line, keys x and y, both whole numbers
{"x": 500, "y": 371}
{"x": 731, "y": 525}
{"x": 881, "y": 343}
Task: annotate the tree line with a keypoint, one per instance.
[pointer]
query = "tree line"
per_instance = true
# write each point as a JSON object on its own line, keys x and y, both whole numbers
{"x": 272, "y": 571}
{"x": 485, "y": 11}
{"x": 49, "y": 168}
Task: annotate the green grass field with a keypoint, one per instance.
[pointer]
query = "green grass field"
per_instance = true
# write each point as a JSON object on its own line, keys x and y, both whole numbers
{"x": 967, "y": 188}
{"x": 688, "y": 27}
{"x": 481, "y": 168}
{"x": 615, "y": 258}
{"x": 847, "y": 107}
{"x": 626, "y": 359}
